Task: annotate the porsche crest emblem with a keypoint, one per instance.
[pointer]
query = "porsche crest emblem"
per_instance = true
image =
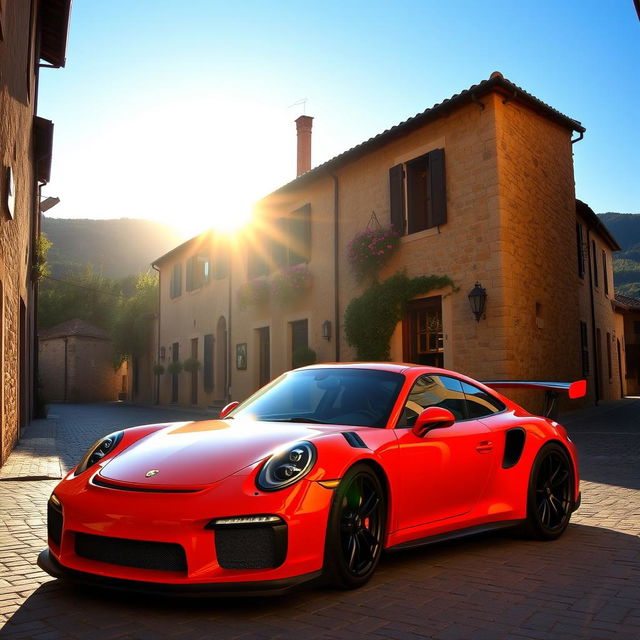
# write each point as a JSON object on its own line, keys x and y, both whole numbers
{"x": 153, "y": 472}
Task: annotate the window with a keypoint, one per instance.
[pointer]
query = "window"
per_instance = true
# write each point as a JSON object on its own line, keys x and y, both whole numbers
{"x": 175, "y": 285}
{"x": 605, "y": 275}
{"x": 207, "y": 368}
{"x": 580, "y": 240}
{"x": 609, "y": 369}
{"x": 292, "y": 242}
{"x": 479, "y": 402}
{"x": 433, "y": 391}
{"x": 197, "y": 271}
{"x": 594, "y": 259}
{"x": 417, "y": 193}
{"x": 221, "y": 264}
{"x": 584, "y": 346}
{"x": 257, "y": 264}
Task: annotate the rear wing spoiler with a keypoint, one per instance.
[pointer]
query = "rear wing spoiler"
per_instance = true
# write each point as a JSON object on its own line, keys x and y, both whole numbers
{"x": 577, "y": 389}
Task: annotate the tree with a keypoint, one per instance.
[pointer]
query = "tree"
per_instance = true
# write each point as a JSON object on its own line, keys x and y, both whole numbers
{"x": 134, "y": 318}
{"x": 83, "y": 293}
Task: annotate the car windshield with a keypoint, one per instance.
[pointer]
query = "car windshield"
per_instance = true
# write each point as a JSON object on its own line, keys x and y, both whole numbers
{"x": 353, "y": 397}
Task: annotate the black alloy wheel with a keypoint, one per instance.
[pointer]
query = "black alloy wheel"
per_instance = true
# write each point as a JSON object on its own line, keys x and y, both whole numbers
{"x": 355, "y": 533}
{"x": 550, "y": 499}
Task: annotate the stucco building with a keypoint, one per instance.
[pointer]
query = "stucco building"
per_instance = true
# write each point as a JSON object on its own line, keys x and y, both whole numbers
{"x": 479, "y": 189}
{"x": 31, "y": 33}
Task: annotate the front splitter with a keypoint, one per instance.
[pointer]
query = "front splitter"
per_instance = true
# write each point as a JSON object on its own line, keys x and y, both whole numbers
{"x": 48, "y": 563}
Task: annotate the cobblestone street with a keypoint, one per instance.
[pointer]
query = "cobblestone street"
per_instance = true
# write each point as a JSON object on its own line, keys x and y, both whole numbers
{"x": 496, "y": 586}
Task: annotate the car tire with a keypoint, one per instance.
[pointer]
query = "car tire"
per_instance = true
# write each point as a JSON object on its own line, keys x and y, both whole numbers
{"x": 355, "y": 529}
{"x": 550, "y": 493}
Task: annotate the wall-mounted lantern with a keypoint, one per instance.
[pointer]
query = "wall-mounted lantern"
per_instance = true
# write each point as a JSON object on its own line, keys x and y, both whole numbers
{"x": 326, "y": 330}
{"x": 163, "y": 353}
{"x": 478, "y": 300}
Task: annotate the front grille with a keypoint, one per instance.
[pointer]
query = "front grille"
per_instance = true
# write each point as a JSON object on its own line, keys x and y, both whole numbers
{"x": 251, "y": 547}
{"x": 161, "y": 556}
{"x": 54, "y": 523}
{"x": 101, "y": 482}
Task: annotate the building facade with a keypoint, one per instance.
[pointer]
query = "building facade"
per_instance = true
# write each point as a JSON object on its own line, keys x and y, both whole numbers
{"x": 628, "y": 341}
{"x": 30, "y": 32}
{"x": 478, "y": 190}
{"x": 76, "y": 364}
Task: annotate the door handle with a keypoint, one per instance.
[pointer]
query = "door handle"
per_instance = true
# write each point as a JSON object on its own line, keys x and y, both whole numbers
{"x": 485, "y": 446}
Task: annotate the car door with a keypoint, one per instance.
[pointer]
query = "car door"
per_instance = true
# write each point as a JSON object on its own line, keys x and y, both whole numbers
{"x": 444, "y": 472}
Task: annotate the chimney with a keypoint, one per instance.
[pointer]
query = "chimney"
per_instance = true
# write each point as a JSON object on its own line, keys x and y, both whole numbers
{"x": 303, "y": 127}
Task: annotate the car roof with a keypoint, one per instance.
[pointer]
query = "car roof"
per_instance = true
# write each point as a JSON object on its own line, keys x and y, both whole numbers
{"x": 396, "y": 367}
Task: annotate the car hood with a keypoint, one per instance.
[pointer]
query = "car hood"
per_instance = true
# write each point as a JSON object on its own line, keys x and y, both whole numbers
{"x": 199, "y": 453}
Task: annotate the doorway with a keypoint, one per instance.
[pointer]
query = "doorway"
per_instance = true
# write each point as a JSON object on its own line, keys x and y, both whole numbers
{"x": 422, "y": 333}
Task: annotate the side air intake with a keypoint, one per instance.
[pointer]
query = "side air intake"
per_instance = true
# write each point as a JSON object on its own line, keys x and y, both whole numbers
{"x": 513, "y": 447}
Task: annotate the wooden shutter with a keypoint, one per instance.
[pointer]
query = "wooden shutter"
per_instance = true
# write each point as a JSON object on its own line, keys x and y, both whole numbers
{"x": 279, "y": 242}
{"x": 396, "y": 198}
{"x": 437, "y": 187}
{"x": 300, "y": 235}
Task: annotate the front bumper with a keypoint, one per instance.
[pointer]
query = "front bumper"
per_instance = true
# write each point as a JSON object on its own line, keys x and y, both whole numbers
{"x": 121, "y": 520}
{"x": 48, "y": 563}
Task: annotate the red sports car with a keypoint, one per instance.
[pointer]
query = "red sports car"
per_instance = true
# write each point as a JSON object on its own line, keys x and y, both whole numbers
{"x": 312, "y": 477}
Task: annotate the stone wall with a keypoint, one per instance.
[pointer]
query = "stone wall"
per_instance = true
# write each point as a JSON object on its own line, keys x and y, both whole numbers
{"x": 16, "y": 327}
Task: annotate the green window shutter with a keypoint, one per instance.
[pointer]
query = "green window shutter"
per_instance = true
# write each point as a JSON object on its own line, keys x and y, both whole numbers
{"x": 437, "y": 202}
{"x": 300, "y": 235}
{"x": 396, "y": 198}
{"x": 279, "y": 242}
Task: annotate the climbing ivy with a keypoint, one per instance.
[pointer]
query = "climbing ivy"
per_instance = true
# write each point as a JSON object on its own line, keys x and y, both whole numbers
{"x": 371, "y": 318}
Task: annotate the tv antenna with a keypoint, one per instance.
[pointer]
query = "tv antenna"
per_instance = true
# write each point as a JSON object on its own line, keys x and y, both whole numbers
{"x": 302, "y": 102}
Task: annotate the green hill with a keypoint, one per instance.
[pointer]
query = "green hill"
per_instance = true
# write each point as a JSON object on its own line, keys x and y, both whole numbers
{"x": 625, "y": 228}
{"x": 115, "y": 248}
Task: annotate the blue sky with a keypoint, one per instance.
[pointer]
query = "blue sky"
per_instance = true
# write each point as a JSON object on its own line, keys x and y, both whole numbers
{"x": 180, "y": 111}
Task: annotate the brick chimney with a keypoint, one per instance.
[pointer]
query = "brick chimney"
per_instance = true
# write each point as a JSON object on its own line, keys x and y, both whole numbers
{"x": 303, "y": 127}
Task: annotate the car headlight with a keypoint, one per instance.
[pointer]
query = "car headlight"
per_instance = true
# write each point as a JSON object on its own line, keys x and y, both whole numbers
{"x": 98, "y": 451}
{"x": 287, "y": 467}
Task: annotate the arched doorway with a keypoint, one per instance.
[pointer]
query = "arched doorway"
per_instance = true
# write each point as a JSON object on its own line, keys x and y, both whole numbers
{"x": 220, "y": 393}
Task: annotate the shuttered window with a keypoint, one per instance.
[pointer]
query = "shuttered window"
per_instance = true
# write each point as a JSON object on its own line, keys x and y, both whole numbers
{"x": 417, "y": 193}
{"x": 197, "y": 271}
{"x": 175, "y": 285}
{"x": 292, "y": 238}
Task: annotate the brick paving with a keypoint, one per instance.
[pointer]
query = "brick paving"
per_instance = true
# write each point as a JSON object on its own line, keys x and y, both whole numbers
{"x": 496, "y": 586}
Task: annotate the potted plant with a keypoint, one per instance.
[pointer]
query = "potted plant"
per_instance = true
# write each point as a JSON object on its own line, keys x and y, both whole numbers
{"x": 303, "y": 356}
{"x": 191, "y": 365}
{"x": 174, "y": 367}
{"x": 290, "y": 283}
{"x": 370, "y": 249}
{"x": 253, "y": 293}
{"x": 158, "y": 369}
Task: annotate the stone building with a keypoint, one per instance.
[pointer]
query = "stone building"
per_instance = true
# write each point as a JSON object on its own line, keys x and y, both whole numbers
{"x": 76, "y": 364}
{"x": 627, "y": 341}
{"x": 480, "y": 191}
{"x": 31, "y": 33}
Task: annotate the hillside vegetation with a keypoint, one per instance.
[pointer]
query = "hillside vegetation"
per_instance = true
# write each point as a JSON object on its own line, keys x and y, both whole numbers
{"x": 113, "y": 248}
{"x": 625, "y": 228}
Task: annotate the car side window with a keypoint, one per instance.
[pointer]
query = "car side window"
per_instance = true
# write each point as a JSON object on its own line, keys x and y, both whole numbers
{"x": 479, "y": 402}
{"x": 433, "y": 391}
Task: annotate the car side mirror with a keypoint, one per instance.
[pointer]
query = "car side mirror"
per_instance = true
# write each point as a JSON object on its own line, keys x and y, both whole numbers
{"x": 432, "y": 418}
{"x": 228, "y": 409}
